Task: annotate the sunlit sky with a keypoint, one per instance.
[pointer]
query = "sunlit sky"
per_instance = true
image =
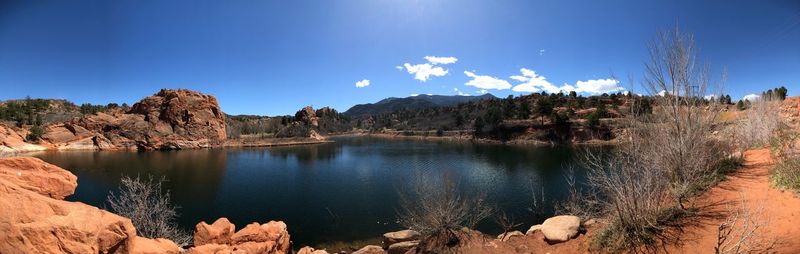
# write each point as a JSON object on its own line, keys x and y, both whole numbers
{"x": 273, "y": 57}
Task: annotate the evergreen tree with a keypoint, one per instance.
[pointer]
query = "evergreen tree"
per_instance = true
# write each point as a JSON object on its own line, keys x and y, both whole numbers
{"x": 544, "y": 107}
{"x": 740, "y": 105}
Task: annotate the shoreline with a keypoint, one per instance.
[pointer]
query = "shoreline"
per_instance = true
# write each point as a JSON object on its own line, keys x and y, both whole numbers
{"x": 465, "y": 137}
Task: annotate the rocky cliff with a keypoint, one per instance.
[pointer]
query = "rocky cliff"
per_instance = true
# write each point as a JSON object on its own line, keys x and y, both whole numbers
{"x": 34, "y": 218}
{"x": 169, "y": 119}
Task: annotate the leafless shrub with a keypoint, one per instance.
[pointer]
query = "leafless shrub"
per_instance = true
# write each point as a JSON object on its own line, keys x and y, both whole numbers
{"x": 507, "y": 222}
{"x": 743, "y": 231}
{"x": 149, "y": 209}
{"x": 436, "y": 208}
{"x": 645, "y": 182}
{"x": 759, "y": 124}
{"x": 582, "y": 203}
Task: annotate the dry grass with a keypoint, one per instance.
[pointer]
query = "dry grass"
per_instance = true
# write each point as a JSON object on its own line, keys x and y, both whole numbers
{"x": 744, "y": 231}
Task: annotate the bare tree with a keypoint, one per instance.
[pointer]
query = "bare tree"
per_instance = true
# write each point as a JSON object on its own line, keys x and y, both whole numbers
{"x": 436, "y": 208}
{"x": 149, "y": 209}
{"x": 645, "y": 182}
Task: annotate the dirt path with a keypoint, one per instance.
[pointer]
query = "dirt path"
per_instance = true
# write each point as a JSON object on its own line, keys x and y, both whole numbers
{"x": 749, "y": 187}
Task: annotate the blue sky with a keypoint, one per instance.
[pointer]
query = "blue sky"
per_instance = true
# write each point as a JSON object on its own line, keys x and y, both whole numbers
{"x": 273, "y": 57}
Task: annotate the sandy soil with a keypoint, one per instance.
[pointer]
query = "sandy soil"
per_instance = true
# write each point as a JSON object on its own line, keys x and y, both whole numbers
{"x": 749, "y": 188}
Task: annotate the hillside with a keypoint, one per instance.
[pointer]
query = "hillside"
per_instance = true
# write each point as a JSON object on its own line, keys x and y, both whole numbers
{"x": 418, "y": 102}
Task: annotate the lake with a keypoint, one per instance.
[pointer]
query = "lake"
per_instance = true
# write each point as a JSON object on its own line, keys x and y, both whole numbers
{"x": 341, "y": 191}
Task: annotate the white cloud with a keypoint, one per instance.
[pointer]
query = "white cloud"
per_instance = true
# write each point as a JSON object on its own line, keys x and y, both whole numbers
{"x": 414, "y": 94}
{"x": 533, "y": 82}
{"x": 751, "y": 97}
{"x": 486, "y": 82}
{"x": 483, "y": 91}
{"x": 541, "y": 52}
{"x": 662, "y": 93}
{"x": 423, "y": 72}
{"x": 362, "y": 83}
{"x": 459, "y": 92}
{"x": 599, "y": 86}
{"x": 710, "y": 97}
{"x": 398, "y": 67}
{"x": 441, "y": 59}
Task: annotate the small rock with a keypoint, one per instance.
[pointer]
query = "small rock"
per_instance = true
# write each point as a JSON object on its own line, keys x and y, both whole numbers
{"x": 561, "y": 228}
{"x": 505, "y": 236}
{"x": 399, "y": 236}
{"x": 370, "y": 249}
{"x": 402, "y": 247}
{"x": 309, "y": 250}
{"x": 589, "y": 222}
{"x": 533, "y": 229}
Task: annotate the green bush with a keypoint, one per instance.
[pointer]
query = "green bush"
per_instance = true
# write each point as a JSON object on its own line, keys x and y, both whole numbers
{"x": 787, "y": 174}
{"x": 36, "y": 133}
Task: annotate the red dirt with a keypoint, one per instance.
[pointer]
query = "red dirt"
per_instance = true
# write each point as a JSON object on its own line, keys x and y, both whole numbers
{"x": 749, "y": 186}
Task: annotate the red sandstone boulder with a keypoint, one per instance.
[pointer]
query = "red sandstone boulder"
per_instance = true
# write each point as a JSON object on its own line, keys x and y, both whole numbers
{"x": 32, "y": 221}
{"x": 38, "y": 176}
{"x": 220, "y": 232}
{"x": 271, "y": 237}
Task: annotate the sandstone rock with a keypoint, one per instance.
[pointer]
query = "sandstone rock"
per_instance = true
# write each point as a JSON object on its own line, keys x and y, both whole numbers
{"x": 33, "y": 222}
{"x": 220, "y": 232}
{"x": 561, "y": 228}
{"x": 271, "y": 237}
{"x": 212, "y": 249}
{"x": 402, "y": 247}
{"x": 533, "y": 229}
{"x": 399, "y": 236}
{"x": 307, "y": 116}
{"x": 309, "y": 250}
{"x": 12, "y": 140}
{"x": 505, "y": 236}
{"x": 38, "y": 176}
{"x": 143, "y": 245}
{"x": 370, "y": 249}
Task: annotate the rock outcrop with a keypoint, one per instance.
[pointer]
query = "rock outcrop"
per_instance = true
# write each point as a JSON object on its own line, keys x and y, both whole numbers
{"x": 34, "y": 218}
{"x": 169, "y": 119}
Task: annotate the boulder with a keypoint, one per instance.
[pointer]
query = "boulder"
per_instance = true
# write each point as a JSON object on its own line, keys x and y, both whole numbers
{"x": 143, "y": 245}
{"x": 505, "y": 236}
{"x": 370, "y": 249}
{"x": 220, "y": 232}
{"x": 32, "y": 221}
{"x": 561, "y": 228}
{"x": 38, "y": 176}
{"x": 307, "y": 116}
{"x": 309, "y": 250}
{"x": 399, "y": 236}
{"x": 12, "y": 140}
{"x": 402, "y": 247}
{"x": 533, "y": 229}
{"x": 271, "y": 237}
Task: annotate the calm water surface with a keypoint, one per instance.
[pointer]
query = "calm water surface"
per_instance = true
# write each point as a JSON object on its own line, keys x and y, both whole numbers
{"x": 342, "y": 191}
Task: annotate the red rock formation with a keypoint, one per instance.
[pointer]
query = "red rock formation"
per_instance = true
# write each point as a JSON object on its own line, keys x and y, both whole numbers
{"x": 170, "y": 119}
{"x": 271, "y": 237}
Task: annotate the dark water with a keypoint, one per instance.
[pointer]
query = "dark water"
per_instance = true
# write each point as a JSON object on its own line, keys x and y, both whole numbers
{"x": 342, "y": 191}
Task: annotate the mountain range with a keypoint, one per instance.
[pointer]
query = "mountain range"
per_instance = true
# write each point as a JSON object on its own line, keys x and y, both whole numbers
{"x": 392, "y": 104}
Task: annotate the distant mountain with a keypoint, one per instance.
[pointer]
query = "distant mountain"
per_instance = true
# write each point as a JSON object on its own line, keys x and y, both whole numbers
{"x": 413, "y": 102}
